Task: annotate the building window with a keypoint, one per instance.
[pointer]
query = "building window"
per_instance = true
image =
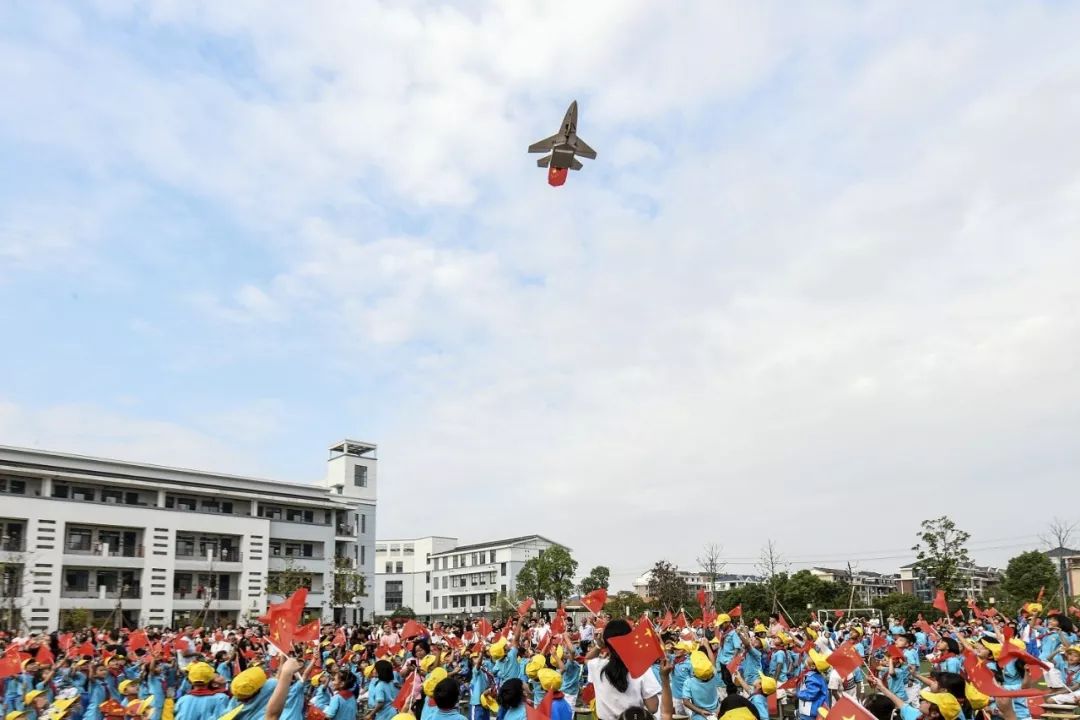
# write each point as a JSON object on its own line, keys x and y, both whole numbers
{"x": 445, "y": 582}
{"x": 78, "y": 539}
{"x": 114, "y": 497}
{"x": 398, "y": 567}
{"x": 59, "y": 490}
{"x": 363, "y": 523}
{"x": 15, "y": 486}
{"x": 363, "y": 554}
{"x": 394, "y": 594}
{"x": 427, "y": 578}
{"x": 503, "y": 570}
{"x": 491, "y": 556}
{"x": 82, "y": 493}
{"x": 389, "y": 568}
{"x": 76, "y": 580}
{"x": 360, "y": 476}
{"x": 427, "y": 596}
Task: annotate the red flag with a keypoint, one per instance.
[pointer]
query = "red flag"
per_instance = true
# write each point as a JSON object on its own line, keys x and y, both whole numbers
{"x": 64, "y": 641}
{"x": 896, "y": 653}
{"x": 137, "y": 639}
{"x": 339, "y": 637}
{"x": 411, "y": 629}
{"x": 701, "y": 598}
{"x": 44, "y": 656}
{"x": 308, "y": 633}
{"x": 877, "y": 642}
{"x": 587, "y": 694}
{"x": 926, "y": 628}
{"x": 839, "y": 614}
{"x": 314, "y": 713}
{"x": 783, "y": 622}
{"x": 680, "y": 620}
{"x": 974, "y": 606}
{"x": 709, "y": 616}
{"x": 284, "y": 619}
{"x": 525, "y": 607}
{"x": 941, "y": 603}
{"x": 850, "y": 710}
{"x": 959, "y": 614}
{"x": 667, "y": 620}
{"x": 638, "y": 650}
{"x": 736, "y": 611}
{"x": 733, "y": 665}
{"x": 983, "y": 679}
{"x": 1011, "y": 652}
{"x": 595, "y": 600}
{"x": 9, "y": 666}
{"x": 794, "y": 682}
{"x": 410, "y": 689}
{"x": 845, "y": 659}
{"x": 558, "y": 623}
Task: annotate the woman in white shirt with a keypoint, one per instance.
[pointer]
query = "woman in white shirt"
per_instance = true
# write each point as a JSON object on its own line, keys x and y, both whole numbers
{"x": 616, "y": 691}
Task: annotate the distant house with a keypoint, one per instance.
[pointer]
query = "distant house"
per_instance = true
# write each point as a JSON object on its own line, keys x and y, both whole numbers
{"x": 1067, "y": 562}
{"x": 700, "y": 581}
{"x": 976, "y": 581}
{"x": 869, "y": 586}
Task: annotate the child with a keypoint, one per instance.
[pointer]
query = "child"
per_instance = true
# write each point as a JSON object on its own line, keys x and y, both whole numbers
{"x": 700, "y": 693}
{"x": 342, "y": 705}
{"x": 814, "y": 691}
{"x": 446, "y": 695}
{"x": 512, "y": 699}
{"x": 551, "y": 682}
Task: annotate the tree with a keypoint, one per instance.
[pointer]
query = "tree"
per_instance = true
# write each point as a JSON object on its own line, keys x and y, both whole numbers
{"x": 711, "y": 564}
{"x": 597, "y": 578}
{"x": 348, "y": 583}
{"x": 942, "y": 553}
{"x": 1058, "y": 534}
{"x": 625, "y": 604}
{"x": 771, "y": 566}
{"x": 557, "y": 571}
{"x": 1026, "y": 574}
{"x": 529, "y": 582}
{"x": 667, "y": 588}
{"x": 903, "y": 606}
{"x": 403, "y": 613}
{"x": 15, "y": 577}
{"x": 75, "y": 620}
{"x": 506, "y": 604}
{"x": 287, "y": 581}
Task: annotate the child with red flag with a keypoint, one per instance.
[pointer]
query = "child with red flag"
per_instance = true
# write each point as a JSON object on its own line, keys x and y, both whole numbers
{"x": 617, "y": 688}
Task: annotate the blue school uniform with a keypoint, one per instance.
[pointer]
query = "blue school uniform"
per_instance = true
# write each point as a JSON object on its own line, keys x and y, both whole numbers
{"x": 571, "y": 678}
{"x": 254, "y": 706}
{"x": 780, "y": 666}
{"x": 200, "y": 706}
{"x": 1012, "y": 679}
{"x": 760, "y": 704}
{"x": 813, "y": 693}
{"x": 750, "y": 668}
{"x": 729, "y": 648}
{"x": 342, "y": 706}
{"x": 679, "y": 674}
{"x": 507, "y": 668}
{"x": 702, "y": 693}
{"x": 382, "y": 692}
{"x": 294, "y": 702}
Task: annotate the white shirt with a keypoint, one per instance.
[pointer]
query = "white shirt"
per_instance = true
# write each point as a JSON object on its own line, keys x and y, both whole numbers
{"x": 223, "y": 646}
{"x": 610, "y": 703}
{"x": 586, "y": 633}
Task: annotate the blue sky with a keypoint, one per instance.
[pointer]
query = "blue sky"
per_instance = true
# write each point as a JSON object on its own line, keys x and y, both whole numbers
{"x": 824, "y": 263}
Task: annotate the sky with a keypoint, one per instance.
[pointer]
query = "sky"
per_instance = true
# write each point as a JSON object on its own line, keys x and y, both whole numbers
{"x": 819, "y": 284}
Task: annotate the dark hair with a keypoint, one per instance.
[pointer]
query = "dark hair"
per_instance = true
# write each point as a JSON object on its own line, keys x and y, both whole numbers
{"x": 955, "y": 685}
{"x": 615, "y": 670}
{"x": 635, "y": 713}
{"x": 446, "y": 694}
{"x": 421, "y": 644}
{"x": 880, "y": 707}
{"x": 1064, "y": 623}
{"x": 347, "y": 679}
{"x": 734, "y": 702}
{"x": 512, "y": 693}
{"x": 954, "y": 647}
{"x": 384, "y": 671}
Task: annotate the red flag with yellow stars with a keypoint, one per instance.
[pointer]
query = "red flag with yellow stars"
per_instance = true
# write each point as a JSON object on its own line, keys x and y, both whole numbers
{"x": 638, "y": 650}
{"x": 847, "y": 709}
{"x": 595, "y": 600}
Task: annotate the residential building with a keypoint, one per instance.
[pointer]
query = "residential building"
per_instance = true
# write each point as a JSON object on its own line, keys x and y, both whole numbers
{"x": 158, "y": 545}
{"x": 869, "y": 586}
{"x": 700, "y": 581}
{"x": 975, "y": 581}
{"x": 1067, "y": 562}
{"x": 403, "y": 573}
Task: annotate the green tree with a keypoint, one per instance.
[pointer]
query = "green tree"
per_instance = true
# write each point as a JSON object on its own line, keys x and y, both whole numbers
{"x": 942, "y": 553}
{"x": 1026, "y": 574}
{"x": 348, "y": 583}
{"x": 506, "y": 604}
{"x": 530, "y": 580}
{"x": 288, "y": 580}
{"x": 403, "y": 613}
{"x": 557, "y": 569}
{"x": 904, "y": 606}
{"x": 75, "y": 620}
{"x": 597, "y": 578}
{"x": 755, "y": 600}
{"x": 667, "y": 588}
{"x": 618, "y": 604}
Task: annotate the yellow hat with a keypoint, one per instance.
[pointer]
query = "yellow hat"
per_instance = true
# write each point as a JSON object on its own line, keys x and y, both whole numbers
{"x": 63, "y": 704}
{"x": 947, "y": 704}
{"x": 550, "y": 679}
{"x": 437, "y": 676}
{"x": 1018, "y": 643}
{"x": 977, "y": 699}
{"x": 357, "y": 648}
{"x": 740, "y": 713}
{"x": 1073, "y": 649}
{"x": 497, "y": 651}
{"x": 857, "y": 629}
{"x": 200, "y": 672}
{"x": 993, "y": 647}
{"x": 231, "y": 715}
{"x": 820, "y": 660}
{"x": 759, "y": 628}
{"x": 369, "y": 671}
{"x": 329, "y": 661}
{"x": 247, "y": 683}
{"x": 686, "y": 646}
{"x": 32, "y": 695}
{"x": 427, "y": 663}
{"x": 768, "y": 684}
{"x": 811, "y": 633}
{"x": 559, "y": 652}
{"x": 701, "y": 666}
{"x": 722, "y": 618}
{"x": 783, "y": 637}
{"x": 486, "y": 701}
{"x": 1034, "y": 608}
{"x": 16, "y": 714}
{"x": 404, "y": 716}
{"x": 318, "y": 676}
{"x": 125, "y": 684}
{"x": 536, "y": 664}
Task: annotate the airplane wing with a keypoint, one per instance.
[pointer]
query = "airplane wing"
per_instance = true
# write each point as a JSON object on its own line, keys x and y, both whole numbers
{"x": 544, "y": 161}
{"x": 544, "y": 145}
{"x": 575, "y": 165}
{"x": 582, "y": 149}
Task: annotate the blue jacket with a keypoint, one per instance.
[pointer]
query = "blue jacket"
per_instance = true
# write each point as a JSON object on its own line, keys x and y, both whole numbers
{"x": 812, "y": 695}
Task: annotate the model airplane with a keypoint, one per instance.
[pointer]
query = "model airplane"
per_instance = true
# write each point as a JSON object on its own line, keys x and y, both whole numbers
{"x": 563, "y": 146}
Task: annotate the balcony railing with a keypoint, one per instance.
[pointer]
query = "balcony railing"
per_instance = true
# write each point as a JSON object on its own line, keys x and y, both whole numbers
{"x": 10, "y": 544}
{"x": 206, "y": 594}
{"x": 130, "y": 592}
{"x": 100, "y": 549}
{"x": 345, "y": 529}
{"x": 233, "y": 556}
{"x": 315, "y": 555}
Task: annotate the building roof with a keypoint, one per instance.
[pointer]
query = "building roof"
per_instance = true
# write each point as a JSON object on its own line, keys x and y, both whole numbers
{"x": 1062, "y": 552}
{"x": 497, "y": 543}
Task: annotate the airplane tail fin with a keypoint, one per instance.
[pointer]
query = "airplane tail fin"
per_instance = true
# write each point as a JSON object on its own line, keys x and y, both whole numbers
{"x": 544, "y": 161}
{"x": 575, "y": 165}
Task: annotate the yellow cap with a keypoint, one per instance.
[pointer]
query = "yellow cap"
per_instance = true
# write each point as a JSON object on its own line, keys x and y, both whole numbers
{"x": 993, "y": 647}
{"x": 535, "y": 664}
{"x": 200, "y": 672}
{"x": 977, "y": 700}
{"x": 369, "y": 671}
{"x": 247, "y": 683}
{"x": 437, "y": 676}
{"x": 16, "y": 714}
{"x": 549, "y": 679}
{"x": 1073, "y": 649}
{"x": 125, "y": 685}
{"x": 768, "y": 685}
{"x": 1034, "y": 608}
{"x": 947, "y": 704}
{"x": 686, "y": 646}
{"x": 486, "y": 701}
{"x": 497, "y": 651}
{"x": 722, "y": 618}
{"x": 740, "y": 713}
{"x": 427, "y": 663}
{"x": 63, "y": 704}
{"x": 759, "y": 628}
{"x": 357, "y": 648}
{"x": 404, "y": 716}
{"x": 701, "y": 666}
{"x": 32, "y": 695}
{"x": 559, "y": 652}
{"x": 820, "y": 660}
{"x": 318, "y": 676}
